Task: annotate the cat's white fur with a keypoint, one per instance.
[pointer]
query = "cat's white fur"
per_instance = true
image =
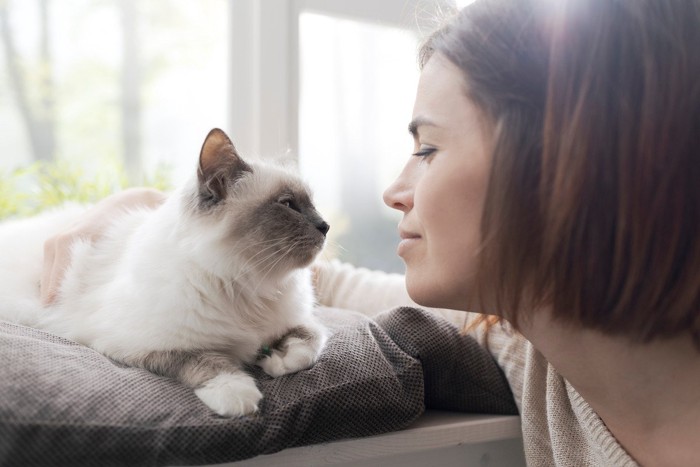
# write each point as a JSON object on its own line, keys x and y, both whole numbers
{"x": 161, "y": 280}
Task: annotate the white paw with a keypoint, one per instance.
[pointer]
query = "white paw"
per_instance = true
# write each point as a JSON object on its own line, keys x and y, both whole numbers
{"x": 298, "y": 355}
{"x": 230, "y": 394}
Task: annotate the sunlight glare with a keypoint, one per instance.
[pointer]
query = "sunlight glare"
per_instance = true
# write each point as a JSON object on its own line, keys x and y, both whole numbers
{"x": 462, "y": 3}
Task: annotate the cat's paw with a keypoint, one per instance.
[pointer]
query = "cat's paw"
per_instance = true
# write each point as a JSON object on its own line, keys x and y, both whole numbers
{"x": 295, "y": 353}
{"x": 230, "y": 394}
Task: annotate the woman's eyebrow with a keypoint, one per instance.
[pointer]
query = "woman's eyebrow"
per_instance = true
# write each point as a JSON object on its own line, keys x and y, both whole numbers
{"x": 417, "y": 123}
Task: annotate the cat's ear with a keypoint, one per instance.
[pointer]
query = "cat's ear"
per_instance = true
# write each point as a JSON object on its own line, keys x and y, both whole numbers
{"x": 219, "y": 166}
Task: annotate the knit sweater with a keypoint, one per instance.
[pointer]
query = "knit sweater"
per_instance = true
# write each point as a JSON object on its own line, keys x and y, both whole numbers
{"x": 559, "y": 427}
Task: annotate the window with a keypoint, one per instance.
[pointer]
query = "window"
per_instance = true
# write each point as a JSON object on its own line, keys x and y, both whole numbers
{"x": 343, "y": 75}
{"x": 124, "y": 88}
{"x": 357, "y": 84}
{"x": 117, "y": 87}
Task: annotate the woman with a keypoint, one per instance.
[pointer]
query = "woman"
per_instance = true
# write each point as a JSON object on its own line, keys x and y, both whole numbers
{"x": 554, "y": 185}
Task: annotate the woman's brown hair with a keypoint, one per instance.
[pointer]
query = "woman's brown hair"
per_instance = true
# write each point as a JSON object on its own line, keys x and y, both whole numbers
{"x": 593, "y": 206}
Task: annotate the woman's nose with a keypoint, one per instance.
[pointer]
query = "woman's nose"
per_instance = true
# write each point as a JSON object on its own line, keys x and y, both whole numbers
{"x": 399, "y": 195}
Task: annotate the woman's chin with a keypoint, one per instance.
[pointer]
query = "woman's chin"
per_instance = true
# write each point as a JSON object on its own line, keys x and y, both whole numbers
{"x": 430, "y": 291}
{"x": 421, "y": 290}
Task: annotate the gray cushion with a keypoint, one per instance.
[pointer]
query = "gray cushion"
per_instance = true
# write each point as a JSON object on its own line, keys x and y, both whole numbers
{"x": 64, "y": 404}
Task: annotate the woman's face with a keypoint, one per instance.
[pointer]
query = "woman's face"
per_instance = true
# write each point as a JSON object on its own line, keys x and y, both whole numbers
{"x": 441, "y": 189}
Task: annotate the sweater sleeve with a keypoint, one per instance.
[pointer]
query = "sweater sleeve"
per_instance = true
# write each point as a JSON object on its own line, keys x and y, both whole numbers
{"x": 341, "y": 285}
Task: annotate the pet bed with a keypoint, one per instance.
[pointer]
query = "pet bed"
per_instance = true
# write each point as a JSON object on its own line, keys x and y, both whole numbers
{"x": 62, "y": 403}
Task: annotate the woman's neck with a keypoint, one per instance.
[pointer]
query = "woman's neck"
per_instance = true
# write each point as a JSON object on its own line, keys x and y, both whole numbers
{"x": 648, "y": 395}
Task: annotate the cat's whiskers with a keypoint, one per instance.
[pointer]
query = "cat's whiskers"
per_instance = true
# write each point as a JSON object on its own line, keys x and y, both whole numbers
{"x": 230, "y": 288}
{"x": 244, "y": 268}
{"x": 249, "y": 265}
{"x": 338, "y": 246}
{"x": 262, "y": 279}
{"x": 330, "y": 246}
{"x": 280, "y": 255}
{"x": 279, "y": 241}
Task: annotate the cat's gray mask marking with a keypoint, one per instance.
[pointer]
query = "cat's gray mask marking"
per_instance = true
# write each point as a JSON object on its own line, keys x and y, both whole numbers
{"x": 284, "y": 220}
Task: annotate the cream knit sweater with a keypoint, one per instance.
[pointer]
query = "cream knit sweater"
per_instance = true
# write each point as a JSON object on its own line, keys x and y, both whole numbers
{"x": 559, "y": 427}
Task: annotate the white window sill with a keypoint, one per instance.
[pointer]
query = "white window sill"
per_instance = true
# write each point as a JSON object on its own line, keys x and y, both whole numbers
{"x": 437, "y": 439}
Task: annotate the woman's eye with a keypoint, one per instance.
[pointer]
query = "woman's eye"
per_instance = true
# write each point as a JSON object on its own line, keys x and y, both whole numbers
{"x": 425, "y": 151}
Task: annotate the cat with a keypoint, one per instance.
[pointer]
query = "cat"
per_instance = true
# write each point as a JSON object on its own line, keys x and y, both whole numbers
{"x": 215, "y": 278}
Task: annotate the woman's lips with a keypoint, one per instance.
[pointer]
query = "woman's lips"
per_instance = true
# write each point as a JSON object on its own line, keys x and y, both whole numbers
{"x": 408, "y": 240}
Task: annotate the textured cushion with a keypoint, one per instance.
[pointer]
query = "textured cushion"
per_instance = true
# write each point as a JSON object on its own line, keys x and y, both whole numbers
{"x": 458, "y": 374}
{"x": 64, "y": 404}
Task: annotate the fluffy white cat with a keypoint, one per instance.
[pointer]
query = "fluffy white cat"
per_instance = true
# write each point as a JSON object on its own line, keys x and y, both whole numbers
{"x": 213, "y": 279}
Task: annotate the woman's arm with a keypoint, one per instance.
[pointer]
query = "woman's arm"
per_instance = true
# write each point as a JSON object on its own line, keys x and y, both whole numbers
{"x": 90, "y": 227}
{"x": 341, "y": 285}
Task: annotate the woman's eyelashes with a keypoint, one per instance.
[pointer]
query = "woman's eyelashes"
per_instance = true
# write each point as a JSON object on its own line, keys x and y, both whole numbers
{"x": 425, "y": 151}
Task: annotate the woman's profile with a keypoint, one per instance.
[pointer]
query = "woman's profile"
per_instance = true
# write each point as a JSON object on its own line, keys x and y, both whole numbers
{"x": 554, "y": 184}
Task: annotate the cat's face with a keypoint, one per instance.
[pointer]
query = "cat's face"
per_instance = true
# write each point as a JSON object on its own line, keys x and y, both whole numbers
{"x": 255, "y": 218}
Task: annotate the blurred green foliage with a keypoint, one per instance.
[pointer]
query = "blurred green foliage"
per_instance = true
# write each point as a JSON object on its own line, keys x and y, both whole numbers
{"x": 26, "y": 191}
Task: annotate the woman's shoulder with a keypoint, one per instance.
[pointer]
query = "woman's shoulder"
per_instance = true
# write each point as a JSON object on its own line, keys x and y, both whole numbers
{"x": 559, "y": 426}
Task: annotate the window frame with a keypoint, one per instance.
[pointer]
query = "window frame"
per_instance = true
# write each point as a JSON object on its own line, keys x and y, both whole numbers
{"x": 263, "y": 115}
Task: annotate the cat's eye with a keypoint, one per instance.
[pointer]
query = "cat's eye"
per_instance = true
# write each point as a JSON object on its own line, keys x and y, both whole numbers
{"x": 288, "y": 201}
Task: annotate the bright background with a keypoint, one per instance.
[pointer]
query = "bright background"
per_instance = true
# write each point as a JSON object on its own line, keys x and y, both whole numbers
{"x": 131, "y": 87}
